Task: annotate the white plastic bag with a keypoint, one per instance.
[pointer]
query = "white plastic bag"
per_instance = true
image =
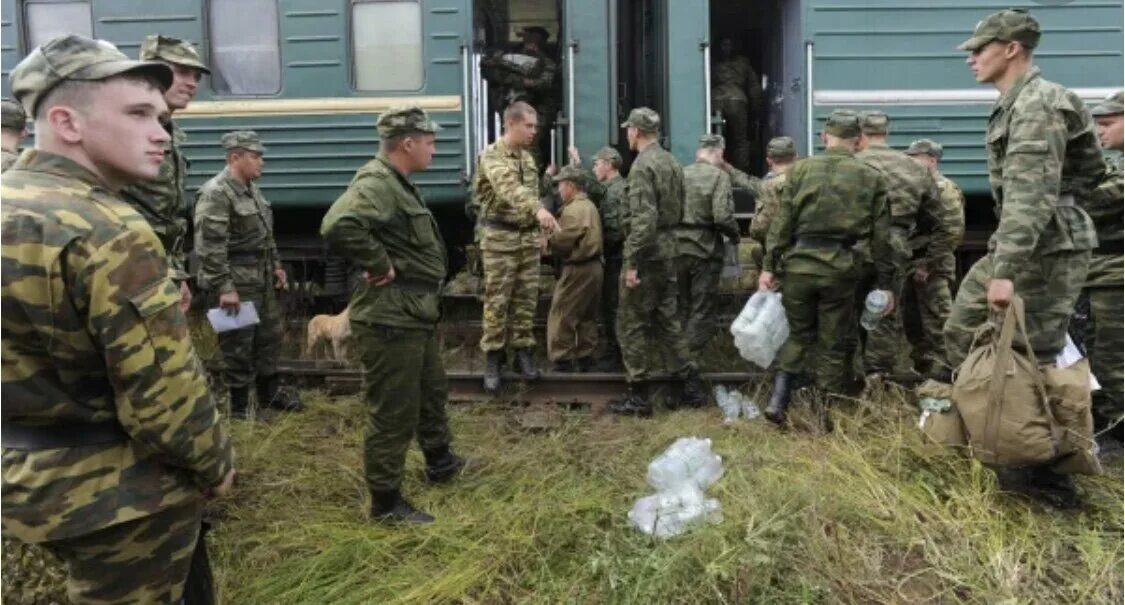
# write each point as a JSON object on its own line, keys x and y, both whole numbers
{"x": 688, "y": 460}
{"x": 680, "y": 474}
{"x": 760, "y": 328}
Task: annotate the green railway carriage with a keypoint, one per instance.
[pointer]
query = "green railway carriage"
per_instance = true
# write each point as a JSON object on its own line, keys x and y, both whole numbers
{"x": 312, "y": 75}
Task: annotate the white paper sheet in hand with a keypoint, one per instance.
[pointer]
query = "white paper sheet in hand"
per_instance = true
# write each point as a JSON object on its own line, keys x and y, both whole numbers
{"x": 1070, "y": 356}
{"x": 247, "y": 316}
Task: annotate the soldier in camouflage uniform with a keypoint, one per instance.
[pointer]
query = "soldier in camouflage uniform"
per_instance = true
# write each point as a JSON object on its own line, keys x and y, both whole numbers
{"x": 238, "y": 263}
{"x": 736, "y": 92}
{"x": 572, "y": 329}
{"x": 607, "y": 169}
{"x": 532, "y": 82}
{"x": 111, "y": 440}
{"x": 381, "y": 224}
{"x": 781, "y": 155}
{"x": 163, "y": 201}
{"x": 928, "y": 293}
{"x": 1043, "y": 163}
{"x": 506, "y": 184}
{"x": 830, "y": 205}
{"x": 647, "y": 319}
{"x": 13, "y": 130}
{"x": 914, "y": 205}
{"x": 1104, "y": 333}
{"x": 708, "y": 215}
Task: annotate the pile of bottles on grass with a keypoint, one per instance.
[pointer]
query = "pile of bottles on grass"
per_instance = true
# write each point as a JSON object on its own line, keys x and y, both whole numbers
{"x": 681, "y": 476}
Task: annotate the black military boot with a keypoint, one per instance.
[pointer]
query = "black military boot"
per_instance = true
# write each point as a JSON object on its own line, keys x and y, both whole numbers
{"x": 584, "y": 364}
{"x": 565, "y": 366}
{"x": 779, "y": 399}
{"x": 272, "y": 395}
{"x": 442, "y": 464}
{"x": 636, "y": 402}
{"x": 493, "y": 359}
{"x": 389, "y": 507}
{"x": 694, "y": 393}
{"x": 240, "y": 403}
{"x": 526, "y": 359}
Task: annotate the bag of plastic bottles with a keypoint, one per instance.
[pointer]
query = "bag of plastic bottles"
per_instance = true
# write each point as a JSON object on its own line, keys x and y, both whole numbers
{"x": 680, "y": 474}
{"x": 734, "y": 404}
{"x": 760, "y": 328}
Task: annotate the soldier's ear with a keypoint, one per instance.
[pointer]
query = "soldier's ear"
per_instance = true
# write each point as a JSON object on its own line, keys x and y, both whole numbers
{"x": 66, "y": 123}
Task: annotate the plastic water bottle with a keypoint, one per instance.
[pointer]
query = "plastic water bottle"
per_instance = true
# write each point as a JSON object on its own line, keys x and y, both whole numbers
{"x": 727, "y": 404}
{"x": 876, "y": 302}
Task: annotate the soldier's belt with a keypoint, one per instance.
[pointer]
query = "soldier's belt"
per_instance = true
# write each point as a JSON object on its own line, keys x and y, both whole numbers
{"x": 823, "y": 243}
{"x": 501, "y": 225}
{"x": 414, "y": 284}
{"x": 583, "y": 261}
{"x": 1112, "y": 247}
{"x": 245, "y": 258}
{"x": 16, "y": 436}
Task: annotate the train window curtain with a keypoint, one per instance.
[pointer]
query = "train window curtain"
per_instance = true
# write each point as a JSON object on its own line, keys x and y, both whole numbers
{"x": 245, "y": 52}
{"x": 387, "y": 45}
{"x": 47, "y": 20}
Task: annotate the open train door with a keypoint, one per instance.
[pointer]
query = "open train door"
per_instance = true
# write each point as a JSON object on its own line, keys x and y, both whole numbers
{"x": 586, "y": 53}
{"x": 688, "y": 61}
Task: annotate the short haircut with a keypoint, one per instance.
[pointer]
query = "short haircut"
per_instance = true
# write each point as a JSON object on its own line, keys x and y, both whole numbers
{"x": 518, "y": 112}
{"x": 390, "y": 144}
{"x": 77, "y": 93}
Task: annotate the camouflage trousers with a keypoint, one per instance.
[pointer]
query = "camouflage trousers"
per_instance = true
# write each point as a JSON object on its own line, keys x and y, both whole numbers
{"x": 886, "y": 348}
{"x": 511, "y": 294}
{"x": 610, "y": 299}
{"x": 572, "y": 324}
{"x": 1105, "y": 346}
{"x": 698, "y": 282}
{"x": 405, "y": 389}
{"x": 142, "y": 561}
{"x": 925, "y": 308}
{"x": 822, "y": 320}
{"x": 647, "y": 321}
{"x": 1049, "y": 286}
{"x": 736, "y": 114}
{"x": 253, "y": 351}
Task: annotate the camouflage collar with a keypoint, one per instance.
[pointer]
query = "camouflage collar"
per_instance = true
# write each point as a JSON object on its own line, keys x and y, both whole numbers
{"x": 839, "y": 150}
{"x": 60, "y": 165}
{"x": 402, "y": 178}
{"x": 1009, "y": 98}
{"x": 237, "y": 186}
{"x": 502, "y": 145}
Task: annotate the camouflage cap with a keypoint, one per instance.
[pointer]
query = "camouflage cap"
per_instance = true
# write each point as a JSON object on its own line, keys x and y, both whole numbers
{"x": 712, "y": 141}
{"x": 243, "y": 139}
{"x": 1111, "y": 106}
{"x": 1011, "y": 25}
{"x": 610, "y": 155}
{"x": 73, "y": 57}
{"x": 12, "y": 114}
{"x": 781, "y": 147}
{"x": 573, "y": 174}
{"x": 843, "y": 123}
{"x": 171, "y": 50}
{"x": 644, "y": 119}
{"x": 874, "y": 122}
{"x": 405, "y": 120}
{"x": 925, "y": 147}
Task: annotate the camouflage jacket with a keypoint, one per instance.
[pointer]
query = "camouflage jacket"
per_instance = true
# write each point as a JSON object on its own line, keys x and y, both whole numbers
{"x": 653, "y": 208}
{"x": 506, "y": 186}
{"x": 532, "y": 83}
{"x": 1105, "y": 206}
{"x": 233, "y": 235}
{"x": 613, "y": 198}
{"x": 92, "y": 333}
{"x": 766, "y": 208}
{"x": 746, "y": 182}
{"x": 1043, "y": 158}
{"x": 735, "y": 80}
{"x": 708, "y": 212}
{"x": 832, "y": 197}
{"x": 951, "y": 215}
{"x": 382, "y": 222}
{"x": 579, "y": 237}
{"x": 914, "y": 200}
{"x": 7, "y": 158}
{"x": 163, "y": 201}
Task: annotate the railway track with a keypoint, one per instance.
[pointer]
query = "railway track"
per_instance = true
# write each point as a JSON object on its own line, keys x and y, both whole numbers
{"x": 588, "y": 388}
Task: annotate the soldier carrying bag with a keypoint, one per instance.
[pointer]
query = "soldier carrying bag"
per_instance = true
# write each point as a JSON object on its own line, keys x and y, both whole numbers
{"x": 1016, "y": 414}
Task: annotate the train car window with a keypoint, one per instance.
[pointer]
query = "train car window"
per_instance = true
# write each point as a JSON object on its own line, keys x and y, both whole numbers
{"x": 245, "y": 48}
{"x": 382, "y": 29}
{"x": 46, "y": 20}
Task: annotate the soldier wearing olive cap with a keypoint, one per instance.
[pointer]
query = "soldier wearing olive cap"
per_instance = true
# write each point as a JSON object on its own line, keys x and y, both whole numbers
{"x": 381, "y": 224}
{"x": 572, "y": 331}
{"x": 607, "y": 168}
{"x": 708, "y": 217}
{"x": 830, "y": 204}
{"x": 781, "y": 155}
{"x": 238, "y": 264}
{"x": 13, "y": 130}
{"x": 1106, "y": 327}
{"x": 928, "y": 295}
{"x": 111, "y": 440}
{"x": 1043, "y": 164}
{"x": 163, "y": 200}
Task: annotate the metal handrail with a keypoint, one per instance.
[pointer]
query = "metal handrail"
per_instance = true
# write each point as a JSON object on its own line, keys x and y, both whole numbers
{"x": 705, "y": 45}
{"x": 571, "y": 48}
{"x": 466, "y": 106}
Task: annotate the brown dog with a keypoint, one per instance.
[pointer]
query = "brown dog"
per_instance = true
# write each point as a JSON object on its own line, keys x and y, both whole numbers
{"x": 328, "y": 328}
